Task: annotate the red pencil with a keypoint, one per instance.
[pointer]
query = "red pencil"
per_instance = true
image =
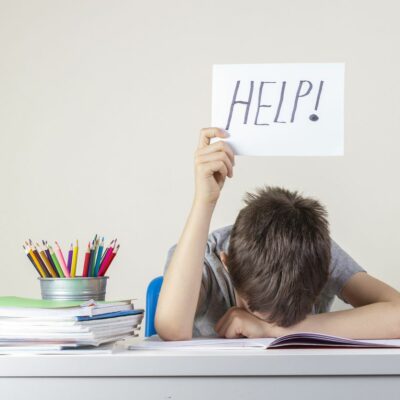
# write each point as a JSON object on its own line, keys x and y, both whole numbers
{"x": 86, "y": 263}
{"x": 106, "y": 258}
{"x": 114, "y": 253}
{"x": 105, "y": 251}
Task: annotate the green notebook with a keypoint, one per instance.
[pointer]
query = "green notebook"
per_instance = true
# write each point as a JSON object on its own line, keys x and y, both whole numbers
{"x": 23, "y": 302}
{"x": 11, "y": 306}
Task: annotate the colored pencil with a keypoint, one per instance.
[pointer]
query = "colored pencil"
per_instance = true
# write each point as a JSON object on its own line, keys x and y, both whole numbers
{"x": 86, "y": 262}
{"x": 46, "y": 250}
{"x": 113, "y": 254}
{"x": 93, "y": 258}
{"x": 31, "y": 260}
{"x": 74, "y": 260}
{"x": 69, "y": 263}
{"x": 106, "y": 250}
{"x": 106, "y": 260}
{"x": 46, "y": 261}
{"x": 90, "y": 258}
{"x": 42, "y": 264}
{"x": 38, "y": 266}
{"x": 49, "y": 262}
{"x": 91, "y": 247}
{"x": 56, "y": 263}
{"x": 99, "y": 257}
{"x": 61, "y": 260}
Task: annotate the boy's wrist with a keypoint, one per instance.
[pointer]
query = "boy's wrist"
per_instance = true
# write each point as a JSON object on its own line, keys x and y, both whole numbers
{"x": 273, "y": 330}
{"x": 204, "y": 205}
{"x": 301, "y": 326}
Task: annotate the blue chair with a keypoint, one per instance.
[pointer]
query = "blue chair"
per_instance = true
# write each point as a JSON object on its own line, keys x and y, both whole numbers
{"x": 153, "y": 291}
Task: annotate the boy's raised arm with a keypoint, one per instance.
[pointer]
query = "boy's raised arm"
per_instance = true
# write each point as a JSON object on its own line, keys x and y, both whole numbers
{"x": 181, "y": 286}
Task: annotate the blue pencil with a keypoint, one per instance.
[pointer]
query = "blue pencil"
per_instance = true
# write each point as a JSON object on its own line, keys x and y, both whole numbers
{"x": 98, "y": 257}
{"x": 93, "y": 257}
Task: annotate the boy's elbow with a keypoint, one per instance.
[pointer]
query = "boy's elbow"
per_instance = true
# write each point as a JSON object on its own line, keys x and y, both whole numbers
{"x": 171, "y": 335}
{"x": 396, "y": 311}
{"x": 167, "y": 330}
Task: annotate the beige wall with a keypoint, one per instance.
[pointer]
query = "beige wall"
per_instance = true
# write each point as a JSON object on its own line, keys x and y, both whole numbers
{"x": 101, "y": 103}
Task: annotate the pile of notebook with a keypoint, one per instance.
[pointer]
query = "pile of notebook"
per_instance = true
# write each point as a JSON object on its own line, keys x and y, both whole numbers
{"x": 45, "y": 325}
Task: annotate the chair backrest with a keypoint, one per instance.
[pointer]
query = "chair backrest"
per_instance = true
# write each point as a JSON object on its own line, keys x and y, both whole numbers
{"x": 153, "y": 290}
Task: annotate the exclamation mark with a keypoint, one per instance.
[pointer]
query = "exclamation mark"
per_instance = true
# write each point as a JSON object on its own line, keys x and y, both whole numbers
{"x": 314, "y": 117}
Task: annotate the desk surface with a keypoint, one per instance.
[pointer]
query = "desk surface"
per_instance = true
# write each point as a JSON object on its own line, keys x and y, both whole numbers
{"x": 124, "y": 363}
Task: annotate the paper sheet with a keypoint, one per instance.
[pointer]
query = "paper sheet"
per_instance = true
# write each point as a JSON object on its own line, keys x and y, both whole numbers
{"x": 155, "y": 343}
{"x": 280, "y": 109}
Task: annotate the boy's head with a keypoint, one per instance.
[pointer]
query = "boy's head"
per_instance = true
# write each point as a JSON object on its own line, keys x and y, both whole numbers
{"x": 279, "y": 254}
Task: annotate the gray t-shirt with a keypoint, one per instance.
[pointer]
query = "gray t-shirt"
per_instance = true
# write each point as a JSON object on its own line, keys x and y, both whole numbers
{"x": 217, "y": 294}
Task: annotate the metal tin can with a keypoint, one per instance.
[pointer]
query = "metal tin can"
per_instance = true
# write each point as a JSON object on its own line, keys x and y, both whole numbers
{"x": 78, "y": 288}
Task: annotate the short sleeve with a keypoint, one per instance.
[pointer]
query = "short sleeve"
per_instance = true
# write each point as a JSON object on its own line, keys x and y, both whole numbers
{"x": 342, "y": 268}
{"x": 205, "y": 283}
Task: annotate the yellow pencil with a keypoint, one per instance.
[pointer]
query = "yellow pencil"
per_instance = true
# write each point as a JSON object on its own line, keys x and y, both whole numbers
{"x": 36, "y": 261}
{"x": 46, "y": 261}
{"x": 74, "y": 260}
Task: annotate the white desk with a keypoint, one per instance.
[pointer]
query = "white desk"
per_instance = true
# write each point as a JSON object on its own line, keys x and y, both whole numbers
{"x": 250, "y": 374}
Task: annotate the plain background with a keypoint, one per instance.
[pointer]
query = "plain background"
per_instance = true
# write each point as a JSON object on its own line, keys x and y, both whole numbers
{"x": 101, "y": 103}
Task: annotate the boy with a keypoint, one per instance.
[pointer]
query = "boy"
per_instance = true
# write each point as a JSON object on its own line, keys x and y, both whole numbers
{"x": 275, "y": 272}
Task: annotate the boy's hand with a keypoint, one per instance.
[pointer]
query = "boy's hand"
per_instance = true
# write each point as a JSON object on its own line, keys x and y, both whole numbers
{"x": 237, "y": 323}
{"x": 213, "y": 163}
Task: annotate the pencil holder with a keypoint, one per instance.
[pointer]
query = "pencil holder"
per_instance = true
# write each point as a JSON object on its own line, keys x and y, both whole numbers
{"x": 75, "y": 289}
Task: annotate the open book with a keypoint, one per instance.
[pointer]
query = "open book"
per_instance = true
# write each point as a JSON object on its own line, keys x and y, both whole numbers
{"x": 295, "y": 340}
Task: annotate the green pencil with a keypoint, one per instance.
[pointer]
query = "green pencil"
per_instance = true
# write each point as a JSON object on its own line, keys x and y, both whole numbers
{"x": 56, "y": 263}
{"x": 93, "y": 258}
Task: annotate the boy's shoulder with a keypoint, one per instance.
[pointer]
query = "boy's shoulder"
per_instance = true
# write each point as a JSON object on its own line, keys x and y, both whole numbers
{"x": 218, "y": 239}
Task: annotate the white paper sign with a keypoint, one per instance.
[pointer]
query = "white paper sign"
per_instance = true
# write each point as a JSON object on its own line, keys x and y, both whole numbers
{"x": 280, "y": 109}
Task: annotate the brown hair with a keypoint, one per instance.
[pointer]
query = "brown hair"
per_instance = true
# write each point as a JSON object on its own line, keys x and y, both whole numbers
{"x": 279, "y": 253}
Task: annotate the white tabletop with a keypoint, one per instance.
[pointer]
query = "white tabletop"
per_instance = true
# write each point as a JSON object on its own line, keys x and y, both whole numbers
{"x": 125, "y": 363}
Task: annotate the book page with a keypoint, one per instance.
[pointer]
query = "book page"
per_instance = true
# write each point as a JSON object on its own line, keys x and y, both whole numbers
{"x": 203, "y": 344}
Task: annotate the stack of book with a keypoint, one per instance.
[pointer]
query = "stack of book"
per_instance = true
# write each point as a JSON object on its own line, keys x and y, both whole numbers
{"x": 46, "y": 325}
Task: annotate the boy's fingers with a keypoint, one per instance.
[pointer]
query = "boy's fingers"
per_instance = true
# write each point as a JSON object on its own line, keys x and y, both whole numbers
{"x": 215, "y": 166}
{"x": 227, "y": 327}
{"x": 218, "y": 146}
{"x": 231, "y": 332}
{"x": 208, "y": 133}
{"x": 222, "y": 321}
{"x": 219, "y": 156}
{"x": 222, "y": 328}
{"x": 218, "y": 166}
{"x": 218, "y": 325}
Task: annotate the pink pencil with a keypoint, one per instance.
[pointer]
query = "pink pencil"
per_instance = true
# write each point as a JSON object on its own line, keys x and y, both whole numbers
{"x": 61, "y": 259}
{"x": 106, "y": 260}
{"x": 114, "y": 253}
